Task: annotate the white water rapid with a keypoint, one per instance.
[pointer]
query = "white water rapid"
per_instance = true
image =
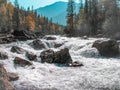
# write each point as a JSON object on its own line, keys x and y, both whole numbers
{"x": 98, "y": 73}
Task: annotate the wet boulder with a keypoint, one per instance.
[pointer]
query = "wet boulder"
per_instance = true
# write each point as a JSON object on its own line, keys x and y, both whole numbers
{"x": 22, "y": 62}
{"x": 47, "y": 56}
{"x": 50, "y": 38}
{"x": 4, "y": 83}
{"x": 12, "y": 76}
{"x": 17, "y": 50}
{"x": 3, "y": 55}
{"x": 57, "y": 45}
{"x": 37, "y": 44}
{"x": 109, "y": 48}
{"x": 31, "y": 56}
{"x": 61, "y": 57}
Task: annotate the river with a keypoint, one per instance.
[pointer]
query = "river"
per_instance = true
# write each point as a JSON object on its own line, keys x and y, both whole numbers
{"x": 98, "y": 73}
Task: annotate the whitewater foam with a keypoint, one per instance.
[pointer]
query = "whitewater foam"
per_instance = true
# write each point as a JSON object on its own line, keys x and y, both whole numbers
{"x": 98, "y": 73}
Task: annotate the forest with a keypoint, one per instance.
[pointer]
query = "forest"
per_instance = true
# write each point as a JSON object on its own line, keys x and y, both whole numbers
{"x": 16, "y": 18}
{"x": 96, "y": 18}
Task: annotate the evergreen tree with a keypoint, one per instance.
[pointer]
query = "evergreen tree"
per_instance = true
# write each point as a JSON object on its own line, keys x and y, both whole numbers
{"x": 93, "y": 17}
{"x": 16, "y": 16}
{"x": 70, "y": 18}
{"x": 86, "y": 9}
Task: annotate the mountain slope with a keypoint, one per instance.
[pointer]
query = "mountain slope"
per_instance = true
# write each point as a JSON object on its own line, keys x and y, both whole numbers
{"x": 56, "y": 11}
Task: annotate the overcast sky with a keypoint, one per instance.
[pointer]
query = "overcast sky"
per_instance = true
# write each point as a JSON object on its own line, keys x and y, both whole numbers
{"x": 36, "y": 3}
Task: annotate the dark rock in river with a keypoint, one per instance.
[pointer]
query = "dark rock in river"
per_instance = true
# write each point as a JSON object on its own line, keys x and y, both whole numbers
{"x": 4, "y": 83}
{"x": 61, "y": 57}
{"x": 22, "y": 62}
{"x": 12, "y": 76}
{"x": 47, "y": 56}
{"x": 37, "y": 44}
{"x": 49, "y": 38}
{"x": 18, "y": 50}
{"x": 58, "y": 45}
{"x": 3, "y": 55}
{"x": 31, "y": 56}
{"x": 109, "y": 48}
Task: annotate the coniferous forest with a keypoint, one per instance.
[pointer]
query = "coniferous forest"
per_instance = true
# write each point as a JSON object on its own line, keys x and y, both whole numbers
{"x": 96, "y": 18}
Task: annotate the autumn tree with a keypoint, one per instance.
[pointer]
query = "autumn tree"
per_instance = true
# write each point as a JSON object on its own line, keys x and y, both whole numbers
{"x": 3, "y": 19}
{"x": 29, "y": 22}
{"x": 10, "y": 10}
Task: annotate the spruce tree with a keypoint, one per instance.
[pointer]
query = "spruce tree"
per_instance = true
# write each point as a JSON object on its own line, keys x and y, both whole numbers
{"x": 16, "y": 16}
{"x": 70, "y": 18}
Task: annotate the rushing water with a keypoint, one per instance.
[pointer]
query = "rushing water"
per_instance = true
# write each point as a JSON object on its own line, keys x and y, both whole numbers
{"x": 98, "y": 73}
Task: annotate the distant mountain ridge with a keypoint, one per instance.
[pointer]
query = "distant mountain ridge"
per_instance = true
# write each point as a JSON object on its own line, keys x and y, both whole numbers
{"x": 56, "y": 11}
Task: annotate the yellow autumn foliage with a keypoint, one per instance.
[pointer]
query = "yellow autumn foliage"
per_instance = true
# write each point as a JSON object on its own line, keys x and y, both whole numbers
{"x": 29, "y": 21}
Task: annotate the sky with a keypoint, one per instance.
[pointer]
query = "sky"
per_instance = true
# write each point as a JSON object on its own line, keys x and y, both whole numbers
{"x": 36, "y": 3}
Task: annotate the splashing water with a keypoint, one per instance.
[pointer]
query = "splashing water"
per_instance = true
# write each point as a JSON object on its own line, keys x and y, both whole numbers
{"x": 98, "y": 73}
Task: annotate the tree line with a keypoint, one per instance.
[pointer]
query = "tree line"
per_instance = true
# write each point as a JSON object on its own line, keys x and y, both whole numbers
{"x": 13, "y": 18}
{"x": 99, "y": 18}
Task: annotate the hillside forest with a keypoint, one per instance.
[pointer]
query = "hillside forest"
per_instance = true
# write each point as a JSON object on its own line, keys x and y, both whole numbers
{"x": 16, "y": 18}
{"x": 96, "y": 18}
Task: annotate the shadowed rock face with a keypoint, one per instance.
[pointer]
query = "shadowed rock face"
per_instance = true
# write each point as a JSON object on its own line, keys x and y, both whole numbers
{"x": 31, "y": 56}
{"x": 37, "y": 44}
{"x": 109, "y": 48}
{"x": 21, "y": 62}
{"x": 4, "y": 83}
{"x": 47, "y": 56}
{"x": 23, "y": 35}
{"x": 62, "y": 56}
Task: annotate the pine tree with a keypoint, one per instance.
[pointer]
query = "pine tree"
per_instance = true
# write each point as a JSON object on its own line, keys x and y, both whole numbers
{"x": 86, "y": 9}
{"x": 94, "y": 21}
{"x": 70, "y": 18}
{"x": 16, "y": 16}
